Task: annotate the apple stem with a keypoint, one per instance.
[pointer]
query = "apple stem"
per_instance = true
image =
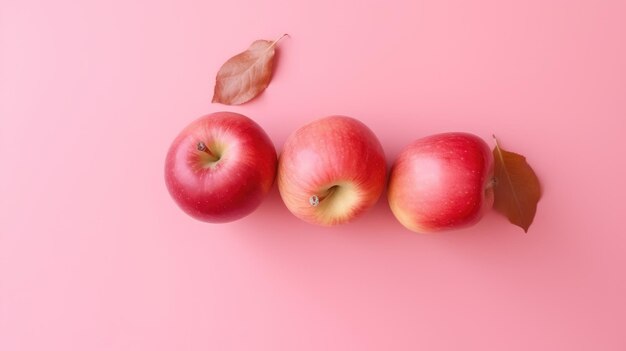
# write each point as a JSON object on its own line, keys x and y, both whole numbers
{"x": 203, "y": 148}
{"x": 315, "y": 200}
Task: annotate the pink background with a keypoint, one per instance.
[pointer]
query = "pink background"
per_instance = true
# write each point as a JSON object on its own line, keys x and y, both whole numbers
{"x": 94, "y": 255}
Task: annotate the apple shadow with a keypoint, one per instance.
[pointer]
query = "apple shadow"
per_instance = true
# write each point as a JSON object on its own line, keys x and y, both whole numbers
{"x": 273, "y": 228}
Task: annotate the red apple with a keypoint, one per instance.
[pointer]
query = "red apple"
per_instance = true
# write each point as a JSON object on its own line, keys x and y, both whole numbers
{"x": 331, "y": 170}
{"x": 442, "y": 182}
{"x": 220, "y": 167}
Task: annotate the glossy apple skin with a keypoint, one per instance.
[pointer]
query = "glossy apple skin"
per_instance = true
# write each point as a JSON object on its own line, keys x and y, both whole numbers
{"x": 231, "y": 187}
{"x": 442, "y": 182}
{"x": 335, "y": 152}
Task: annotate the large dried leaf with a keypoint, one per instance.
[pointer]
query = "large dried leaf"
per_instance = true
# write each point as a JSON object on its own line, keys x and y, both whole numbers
{"x": 517, "y": 189}
{"x": 245, "y": 75}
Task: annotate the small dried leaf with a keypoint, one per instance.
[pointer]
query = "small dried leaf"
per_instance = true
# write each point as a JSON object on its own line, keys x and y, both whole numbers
{"x": 517, "y": 189}
{"x": 245, "y": 75}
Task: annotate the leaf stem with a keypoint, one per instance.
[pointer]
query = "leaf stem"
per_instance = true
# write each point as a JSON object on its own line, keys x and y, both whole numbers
{"x": 496, "y": 140}
{"x": 277, "y": 40}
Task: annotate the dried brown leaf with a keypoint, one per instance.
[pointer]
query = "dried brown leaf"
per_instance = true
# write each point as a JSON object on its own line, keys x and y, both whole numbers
{"x": 517, "y": 189}
{"x": 245, "y": 75}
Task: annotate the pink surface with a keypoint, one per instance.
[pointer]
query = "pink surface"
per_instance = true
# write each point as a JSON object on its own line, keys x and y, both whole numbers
{"x": 94, "y": 255}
